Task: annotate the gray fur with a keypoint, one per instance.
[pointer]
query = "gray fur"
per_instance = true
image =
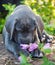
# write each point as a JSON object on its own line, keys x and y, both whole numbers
{"x": 19, "y": 13}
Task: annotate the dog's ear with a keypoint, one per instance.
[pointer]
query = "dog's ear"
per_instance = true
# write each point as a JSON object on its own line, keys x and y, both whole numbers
{"x": 10, "y": 25}
{"x": 40, "y": 23}
{"x": 40, "y": 26}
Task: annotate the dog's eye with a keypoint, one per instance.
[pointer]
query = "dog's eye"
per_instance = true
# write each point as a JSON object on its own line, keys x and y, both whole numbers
{"x": 33, "y": 29}
{"x": 21, "y": 31}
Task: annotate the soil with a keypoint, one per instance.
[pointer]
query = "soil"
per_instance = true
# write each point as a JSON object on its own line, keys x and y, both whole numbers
{"x": 7, "y": 58}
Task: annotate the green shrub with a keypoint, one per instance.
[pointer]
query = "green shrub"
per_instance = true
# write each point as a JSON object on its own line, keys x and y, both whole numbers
{"x": 47, "y": 62}
{"x": 50, "y": 28}
{"x": 9, "y": 8}
{"x": 2, "y": 22}
{"x": 41, "y": 7}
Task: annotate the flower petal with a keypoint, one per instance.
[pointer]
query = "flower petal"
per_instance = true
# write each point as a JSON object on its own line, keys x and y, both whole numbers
{"x": 46, "y": 46}
{"x": 19, "y": 58}
{"x": 24, "y": 46}
{"x": 33, "y": 46}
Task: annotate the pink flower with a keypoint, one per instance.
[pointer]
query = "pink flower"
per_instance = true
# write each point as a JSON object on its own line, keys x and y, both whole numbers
{"x": 24, "y": 46}
{"x": 47, "y": 46}
{"x": 32, "y": 46}
{"x": 19, "y": 58}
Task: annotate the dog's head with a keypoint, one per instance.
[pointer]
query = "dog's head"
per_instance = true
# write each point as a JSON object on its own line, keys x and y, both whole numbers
{"x": 23, "y": 26}
{"x": 25, "y": 30}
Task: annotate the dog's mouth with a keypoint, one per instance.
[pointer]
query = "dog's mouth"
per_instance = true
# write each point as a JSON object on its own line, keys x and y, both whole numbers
{"x": 28, "y": 42}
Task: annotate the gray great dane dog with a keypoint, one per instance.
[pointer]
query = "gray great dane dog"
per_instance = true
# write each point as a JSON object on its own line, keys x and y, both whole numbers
{"x": 23, "y": 26}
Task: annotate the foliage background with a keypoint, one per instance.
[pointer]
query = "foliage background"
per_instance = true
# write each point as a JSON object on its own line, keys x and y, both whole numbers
{"x": 45, "y": 8}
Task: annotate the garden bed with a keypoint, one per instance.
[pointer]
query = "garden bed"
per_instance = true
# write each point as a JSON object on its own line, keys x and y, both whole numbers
{"x": 6, "y": 58}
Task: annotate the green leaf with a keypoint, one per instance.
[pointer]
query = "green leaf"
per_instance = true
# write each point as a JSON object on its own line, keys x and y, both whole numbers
{"x": 47, "y": 62}
{"x": 40, "y": 45}
{"x": 47, "y": 51}
{"x": 24, "y": 60}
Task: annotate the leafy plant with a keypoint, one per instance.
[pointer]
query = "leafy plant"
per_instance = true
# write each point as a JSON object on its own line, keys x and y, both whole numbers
{"x": 9, "y": 7}
{"x": 2, "y": 22}
{"x": 24, "y": 60}
{"x": 46, "y": 61}
{"x": 42, "y": 7}
{"x": 50, "y": 28}
{"x": 40, "y": 45}
{"x": 44, "y": 48}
